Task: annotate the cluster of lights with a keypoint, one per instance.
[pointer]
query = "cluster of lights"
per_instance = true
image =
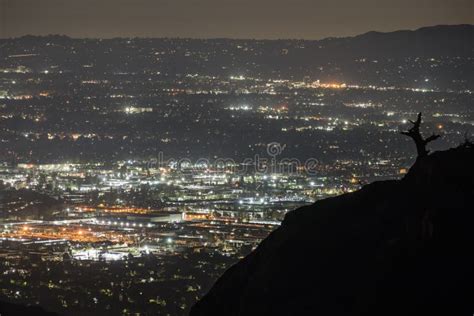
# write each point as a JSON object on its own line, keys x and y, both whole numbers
{"x": 123, "y": 224}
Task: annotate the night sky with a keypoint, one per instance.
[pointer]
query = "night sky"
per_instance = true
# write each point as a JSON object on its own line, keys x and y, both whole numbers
{"x": 309, "y": 19}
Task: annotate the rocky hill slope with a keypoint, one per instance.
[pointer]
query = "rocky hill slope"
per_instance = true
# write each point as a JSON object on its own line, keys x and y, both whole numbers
{"x": 401, "y": 247}
{"x": 9, "y": 309}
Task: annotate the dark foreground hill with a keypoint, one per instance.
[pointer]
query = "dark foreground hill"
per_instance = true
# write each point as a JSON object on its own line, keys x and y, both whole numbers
{"x": 9, "y": 309}
{"x": 402, "y": 247}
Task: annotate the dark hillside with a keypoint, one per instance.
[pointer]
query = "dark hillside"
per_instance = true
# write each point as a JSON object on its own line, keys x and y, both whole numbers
{"x": 401, "y": 247}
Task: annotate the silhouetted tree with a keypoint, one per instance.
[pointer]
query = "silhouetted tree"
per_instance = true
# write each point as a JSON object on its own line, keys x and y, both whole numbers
{"x": 468, "y": 143}
{"x": 420, "y": 142}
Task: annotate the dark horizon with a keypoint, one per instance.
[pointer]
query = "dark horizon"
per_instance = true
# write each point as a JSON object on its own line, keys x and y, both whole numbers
{"x": 208, "y": 19}
{"x": 244, "y": 39}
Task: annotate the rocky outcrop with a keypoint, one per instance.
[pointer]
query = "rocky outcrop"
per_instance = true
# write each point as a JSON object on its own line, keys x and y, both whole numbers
{"x": 9, "y": 309}
{"x": 401, "y": 247}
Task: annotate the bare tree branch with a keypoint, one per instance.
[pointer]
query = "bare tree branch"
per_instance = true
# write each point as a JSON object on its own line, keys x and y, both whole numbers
{"x": 415, "y": 134}
{"x": 432, "y": 138}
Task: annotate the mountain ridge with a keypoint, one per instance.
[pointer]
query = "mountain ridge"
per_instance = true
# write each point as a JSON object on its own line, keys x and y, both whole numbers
{"x": 391, "y": 247}
{"x": 438, "y": 27}
{"x": 438, "y": 58}
{"x": 11, "y": 309}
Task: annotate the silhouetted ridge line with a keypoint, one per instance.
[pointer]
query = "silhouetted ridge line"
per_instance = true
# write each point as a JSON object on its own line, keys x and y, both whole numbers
{"x": 9, "y": 309}
{"x": 399, "y": 247}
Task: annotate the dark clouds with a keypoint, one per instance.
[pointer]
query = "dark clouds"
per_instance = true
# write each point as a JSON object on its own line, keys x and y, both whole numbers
{"x": 225, "y": 18}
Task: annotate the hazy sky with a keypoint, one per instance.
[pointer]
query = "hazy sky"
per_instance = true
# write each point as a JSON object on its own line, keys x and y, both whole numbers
{"x": 311, "y": 19}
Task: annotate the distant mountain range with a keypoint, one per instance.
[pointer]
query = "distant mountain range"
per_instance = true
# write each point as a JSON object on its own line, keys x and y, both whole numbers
{"x": 442, "y": 54}
{"x": 401, "y": 247}
{"x": 441, "y": 40}
{"x": 427, "y": 41}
